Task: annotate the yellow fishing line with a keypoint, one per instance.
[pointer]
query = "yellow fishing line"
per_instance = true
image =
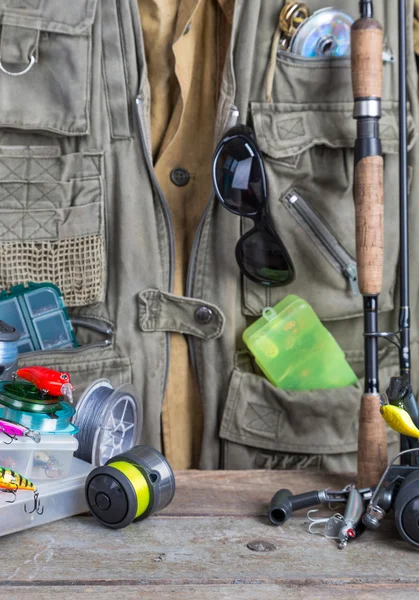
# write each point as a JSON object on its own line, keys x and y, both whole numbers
{"x": 139, "y": 484}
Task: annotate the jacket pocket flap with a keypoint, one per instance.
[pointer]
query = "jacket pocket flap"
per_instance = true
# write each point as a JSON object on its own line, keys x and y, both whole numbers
{"x": 284, "y": 130}
{"x": 316, "y": 422}
{"x": 161, "y": 311}
{"x": 70, "y": 18}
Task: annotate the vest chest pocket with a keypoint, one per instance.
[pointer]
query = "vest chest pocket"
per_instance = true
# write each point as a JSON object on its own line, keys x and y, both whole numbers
{"x": 52, "y": 221}
{"x": 52, "y": 225}
{"x": 308, "y": 154}
{"x": 49, "y": 45}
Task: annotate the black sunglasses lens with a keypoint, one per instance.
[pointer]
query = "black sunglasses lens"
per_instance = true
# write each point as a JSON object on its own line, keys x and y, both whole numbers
{"x": 261, "y": 256}
{"x": 239, "y": 180}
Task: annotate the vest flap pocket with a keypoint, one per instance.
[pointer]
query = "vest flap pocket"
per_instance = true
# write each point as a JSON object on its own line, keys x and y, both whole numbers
{"x": 71, "y": 18}
{"x": 309, "y": 162}
{"x": 161, "y": 311}
{"x": 48, "y": 45}
{"x": 52, "y": 225}
{"x": 286, "y": 130}
{"x": 85, "y": 365}
{"x": 259, "y": 415}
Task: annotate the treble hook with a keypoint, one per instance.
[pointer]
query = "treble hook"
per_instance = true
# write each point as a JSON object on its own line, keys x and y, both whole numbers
{"x": 11, "y": 437}
{"x": 314, "y": 522}
{"x": 52, "y": 467}
{"x": 326, "y": 521}
{"x": 36, "y": 505}
{"x": 11, "y": 492}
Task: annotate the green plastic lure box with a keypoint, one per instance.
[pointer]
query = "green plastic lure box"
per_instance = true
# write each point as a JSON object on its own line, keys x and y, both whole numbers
{"x": 295, "y": 351}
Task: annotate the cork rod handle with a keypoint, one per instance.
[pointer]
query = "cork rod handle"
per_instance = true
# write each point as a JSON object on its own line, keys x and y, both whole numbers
{"x": 367, "y": 58}
{"x": 372, "y": 442}
{"x": 367, "y": 83}
{"x": 369, "y": 223}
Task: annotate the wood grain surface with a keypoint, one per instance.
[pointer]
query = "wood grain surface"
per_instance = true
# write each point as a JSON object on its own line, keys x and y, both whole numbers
{"x": 199, "y": 548}
{"x": 369, "y": 219}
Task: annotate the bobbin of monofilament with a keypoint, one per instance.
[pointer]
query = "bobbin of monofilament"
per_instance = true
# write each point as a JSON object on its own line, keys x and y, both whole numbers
{"x": 109, "y": 421}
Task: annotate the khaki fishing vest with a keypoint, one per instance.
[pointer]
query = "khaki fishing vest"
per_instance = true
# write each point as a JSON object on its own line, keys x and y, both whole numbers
{"x": 80, "y": 206}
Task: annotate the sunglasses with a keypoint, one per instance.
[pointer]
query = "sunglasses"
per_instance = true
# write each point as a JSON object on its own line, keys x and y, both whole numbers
{"x": 240, "y": 184}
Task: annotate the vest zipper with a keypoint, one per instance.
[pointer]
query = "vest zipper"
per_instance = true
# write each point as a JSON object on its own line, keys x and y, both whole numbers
{"x": 166, "y": 213}
{"x": 323, "y": 237}
{"x": 59, "y": 352}
{"x": 232, "y": 119}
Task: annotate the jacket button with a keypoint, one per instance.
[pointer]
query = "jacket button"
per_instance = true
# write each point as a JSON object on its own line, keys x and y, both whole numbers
{"x": 179, "y": 177}
{"x": 204, "y": 315}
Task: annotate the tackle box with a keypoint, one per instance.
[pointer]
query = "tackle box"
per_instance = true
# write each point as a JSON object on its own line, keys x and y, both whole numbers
{"x": 59, "y": 499}
{"x": 37, "y": 311}
{"x": 48, "y": 459}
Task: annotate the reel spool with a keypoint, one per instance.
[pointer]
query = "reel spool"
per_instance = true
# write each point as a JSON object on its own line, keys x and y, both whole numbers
{"x": 406, "y": 509}
{"x": 9, "y": 338}
{"x": 108, "y": 420}
{"x": 58, "y": 422}
{"x": 23, "y": 403}
{"x": 130, "y": 487}
{"x": 326, "y": 34}
{"x": 26, "y": 397}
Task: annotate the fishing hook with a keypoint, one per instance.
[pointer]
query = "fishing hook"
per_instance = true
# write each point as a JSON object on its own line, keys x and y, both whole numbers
{"x": 322, "y": 521}
{"x": 36, "y": 506}
{"x": 11, "y": 437}
{"x": 11, "y": 492}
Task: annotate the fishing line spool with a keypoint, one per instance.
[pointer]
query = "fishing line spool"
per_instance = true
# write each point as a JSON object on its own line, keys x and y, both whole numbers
{"x": 26, "y": 397}
{"x": 130, "y": 487}
{"x": 326, "y": 34}
{"x": 58, "y": 422}
{"x": 108, "y": 420}
{"x": 9, "y": 338}
{"x": 23, "y": 403}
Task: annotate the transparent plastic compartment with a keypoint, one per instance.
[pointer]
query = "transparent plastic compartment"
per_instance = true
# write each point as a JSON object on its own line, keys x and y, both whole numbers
{"x": 38, "y": 312}
{"x": 51, "y": 458}
{"x": 59, "y": 499}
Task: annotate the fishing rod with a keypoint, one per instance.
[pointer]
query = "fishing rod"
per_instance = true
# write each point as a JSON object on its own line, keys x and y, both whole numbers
{"x": 400, "y": 389}
{"x": 367, "y": 78}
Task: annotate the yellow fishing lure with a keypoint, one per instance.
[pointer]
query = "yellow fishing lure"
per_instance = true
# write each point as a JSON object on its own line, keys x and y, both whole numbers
{"x": 399, "y": 420}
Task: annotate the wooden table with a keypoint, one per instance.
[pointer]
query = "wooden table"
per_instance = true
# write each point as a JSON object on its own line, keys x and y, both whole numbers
{"x": 198, "y": 548}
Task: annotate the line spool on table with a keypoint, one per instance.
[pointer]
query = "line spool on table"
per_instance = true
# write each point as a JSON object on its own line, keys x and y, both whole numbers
{"x": 109, "y": 421}
{"x": 130, "y": 487}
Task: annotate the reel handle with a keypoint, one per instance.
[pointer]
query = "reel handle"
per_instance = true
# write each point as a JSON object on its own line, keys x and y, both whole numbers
{"x": 284, "y": 503}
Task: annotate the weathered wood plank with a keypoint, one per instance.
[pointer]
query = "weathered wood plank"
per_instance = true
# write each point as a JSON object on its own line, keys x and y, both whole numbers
{"x": 241, "y": 493}
{"x": 190, "y": 550}
{"x": 223, "y": 592}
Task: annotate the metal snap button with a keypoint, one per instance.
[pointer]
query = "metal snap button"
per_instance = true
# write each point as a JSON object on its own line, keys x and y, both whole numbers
{"x": 204, "y": 315}
{"x": 179, "y": 177}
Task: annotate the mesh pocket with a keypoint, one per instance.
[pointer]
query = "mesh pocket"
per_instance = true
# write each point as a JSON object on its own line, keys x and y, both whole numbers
{"x": 76, "y": 265}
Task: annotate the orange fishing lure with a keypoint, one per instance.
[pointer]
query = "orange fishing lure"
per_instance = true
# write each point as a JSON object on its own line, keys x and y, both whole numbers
{"x": 11, "y": 482}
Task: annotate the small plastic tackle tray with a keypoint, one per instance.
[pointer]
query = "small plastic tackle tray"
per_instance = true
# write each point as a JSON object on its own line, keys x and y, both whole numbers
{"x": 59, "y": 499}
{"x": 48, "y": 459}
{"x": 38, "y": 312}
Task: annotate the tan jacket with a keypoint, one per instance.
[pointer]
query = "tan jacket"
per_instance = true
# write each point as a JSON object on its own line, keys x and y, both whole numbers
{"x": 185, "y": 42}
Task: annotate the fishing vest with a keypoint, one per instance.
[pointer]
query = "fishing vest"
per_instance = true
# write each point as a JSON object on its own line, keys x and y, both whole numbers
{"x": 80, "y": 206}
